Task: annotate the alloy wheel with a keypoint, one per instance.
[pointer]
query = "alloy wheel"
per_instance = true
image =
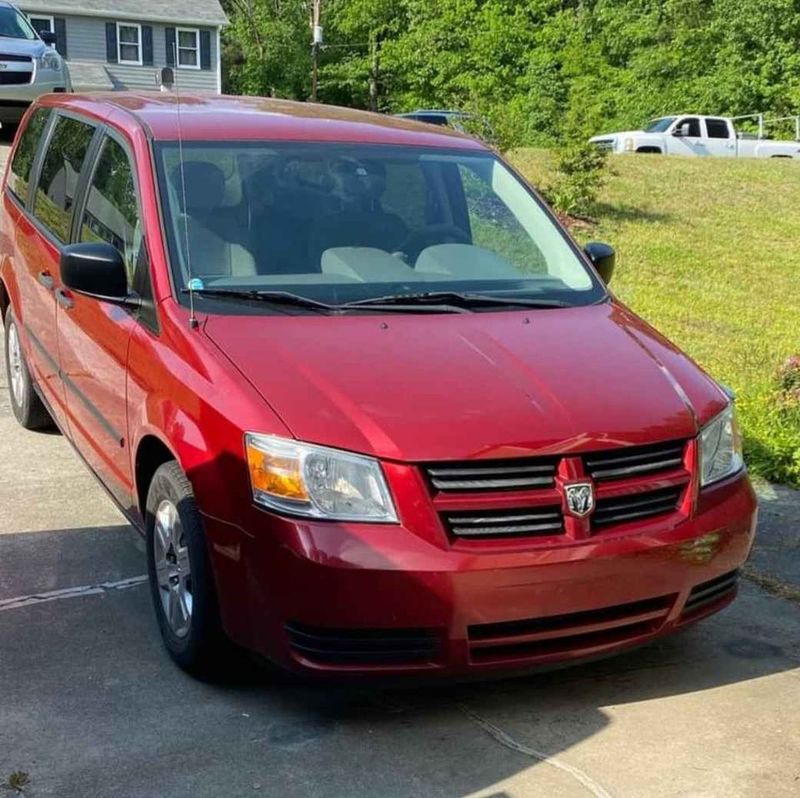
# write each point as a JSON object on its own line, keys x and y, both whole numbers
{"x": 173, "y": 568}
{"x": 17, "y": 374}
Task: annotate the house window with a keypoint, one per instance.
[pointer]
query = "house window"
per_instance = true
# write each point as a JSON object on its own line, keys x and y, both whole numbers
{"x": 42, "y": 22}
{"x": 188, "y": 40}
{"x": 129, "y": 43}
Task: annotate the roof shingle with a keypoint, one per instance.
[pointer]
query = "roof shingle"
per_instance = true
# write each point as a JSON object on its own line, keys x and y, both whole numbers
{"x": 203, "y": 12}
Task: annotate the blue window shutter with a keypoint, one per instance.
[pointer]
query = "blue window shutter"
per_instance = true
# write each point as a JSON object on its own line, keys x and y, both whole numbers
{"x": 147, "y": 45}
{"x": 111, "y": 42}
{"x": 60, "y": 25}
{"x": 205, "y": 49}
{"x": 170, "y": 41}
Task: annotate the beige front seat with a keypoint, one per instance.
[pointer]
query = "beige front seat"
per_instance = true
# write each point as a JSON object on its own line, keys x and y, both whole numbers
{"x": 214, "y": 250}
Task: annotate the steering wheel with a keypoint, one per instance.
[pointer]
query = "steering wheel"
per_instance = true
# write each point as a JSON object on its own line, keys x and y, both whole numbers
{"x": 430, "y": 235}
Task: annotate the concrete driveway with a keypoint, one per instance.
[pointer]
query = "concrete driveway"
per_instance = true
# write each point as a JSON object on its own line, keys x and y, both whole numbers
{"x": 91, "y": 706}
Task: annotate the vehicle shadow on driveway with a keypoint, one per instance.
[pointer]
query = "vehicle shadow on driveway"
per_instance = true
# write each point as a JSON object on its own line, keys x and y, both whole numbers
{"x": 91, "y": 704}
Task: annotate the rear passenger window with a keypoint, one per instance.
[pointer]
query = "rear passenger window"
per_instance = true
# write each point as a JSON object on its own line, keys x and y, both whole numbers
{"x": 111, "y": 213}
{"x": 61, "y": 169}
{"x": 21, "y": 166}
{"x": 717, "y": 129}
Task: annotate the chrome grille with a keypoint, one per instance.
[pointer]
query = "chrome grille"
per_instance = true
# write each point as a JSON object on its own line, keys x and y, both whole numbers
{"x": 634, "y": 460}
{"x": 492, "y": 475}
{"x": 527, "y": 521}
{"x": 620, "y": 509}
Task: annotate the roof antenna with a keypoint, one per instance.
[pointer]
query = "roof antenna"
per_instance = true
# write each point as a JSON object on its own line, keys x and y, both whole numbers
{"x": 168, "y": 81}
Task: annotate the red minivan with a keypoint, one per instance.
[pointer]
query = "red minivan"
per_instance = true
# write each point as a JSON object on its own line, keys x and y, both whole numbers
{"x": 373, "y": 410}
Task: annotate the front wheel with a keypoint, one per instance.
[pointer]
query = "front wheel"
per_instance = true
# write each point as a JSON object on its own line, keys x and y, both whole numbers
{"x": 181, "y": 579}
{"x": 26, "y": 405}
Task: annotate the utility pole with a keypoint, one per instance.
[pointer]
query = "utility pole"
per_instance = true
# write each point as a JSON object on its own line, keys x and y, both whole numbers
{"x": 374, "y": 70}
{"x": 316, "y": 44}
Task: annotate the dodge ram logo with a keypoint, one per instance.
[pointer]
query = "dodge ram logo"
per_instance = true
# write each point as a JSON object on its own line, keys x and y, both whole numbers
{"x": 580, "y": 499}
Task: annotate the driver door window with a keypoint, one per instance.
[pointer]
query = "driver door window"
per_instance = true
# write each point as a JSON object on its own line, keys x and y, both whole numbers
{"x": 111, "y": 212}
{"x": 694, "y": 126}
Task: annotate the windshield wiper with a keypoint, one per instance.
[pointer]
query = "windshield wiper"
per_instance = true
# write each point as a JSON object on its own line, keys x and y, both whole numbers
{"x": 273, "y": 297}
{"x": 295, "y": 300}
{"x": 429, "y": 301}
{"x": 463, "y": 300}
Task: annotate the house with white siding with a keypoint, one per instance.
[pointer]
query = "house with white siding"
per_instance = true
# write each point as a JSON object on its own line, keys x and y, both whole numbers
{"x": 123, "y": 44}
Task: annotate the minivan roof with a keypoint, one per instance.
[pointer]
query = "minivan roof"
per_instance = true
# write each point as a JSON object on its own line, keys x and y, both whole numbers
{"x": 213, "y": 117}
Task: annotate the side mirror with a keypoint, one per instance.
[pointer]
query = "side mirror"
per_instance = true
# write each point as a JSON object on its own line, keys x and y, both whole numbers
{"x": 603, "y": 258}
{"x": 48, "y": 37}
{"x": 96, "y": 270}
{"x": 682, "y": 131}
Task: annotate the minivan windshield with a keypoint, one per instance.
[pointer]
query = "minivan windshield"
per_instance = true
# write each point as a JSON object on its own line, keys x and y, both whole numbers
{"x": 13, "y": 25}
{"x": 338, "y": 224}
{"x": 659, "y": 125}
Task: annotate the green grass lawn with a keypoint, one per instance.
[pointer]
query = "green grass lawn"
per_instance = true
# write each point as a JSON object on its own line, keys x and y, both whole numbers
{"x": 708, "y": 251}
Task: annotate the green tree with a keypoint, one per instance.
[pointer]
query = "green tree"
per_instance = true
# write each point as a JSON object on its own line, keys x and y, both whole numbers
{"x": 543, "y": 71}
{"x": 266, "y": 48}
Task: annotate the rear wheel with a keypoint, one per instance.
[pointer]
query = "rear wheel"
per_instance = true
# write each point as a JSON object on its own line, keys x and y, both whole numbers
{"x": 25, "y": 402}
{"x": 181, "y": 579}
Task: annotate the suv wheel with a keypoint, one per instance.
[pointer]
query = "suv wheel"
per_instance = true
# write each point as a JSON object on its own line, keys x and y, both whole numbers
{"x": 181, "y": 579}
{"x": 25, "y": 402}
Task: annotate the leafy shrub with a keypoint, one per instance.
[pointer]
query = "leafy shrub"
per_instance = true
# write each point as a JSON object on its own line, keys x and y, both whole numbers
{"x": 771, "y": 418}
{"x": 789, "y": 383}
{"x": 579, "y": 178}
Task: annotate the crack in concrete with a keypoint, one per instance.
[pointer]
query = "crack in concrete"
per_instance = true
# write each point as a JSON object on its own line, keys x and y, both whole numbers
{"x": 506, "y": 740}
{"x": 772, "y": 585}
{"x": 70, "y": 592}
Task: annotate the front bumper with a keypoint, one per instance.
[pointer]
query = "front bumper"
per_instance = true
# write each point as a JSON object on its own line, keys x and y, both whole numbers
{"x": 355, "y": 599}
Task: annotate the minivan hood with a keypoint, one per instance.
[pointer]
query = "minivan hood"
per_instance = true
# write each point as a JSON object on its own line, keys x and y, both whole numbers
{"x": 481, "y": 385}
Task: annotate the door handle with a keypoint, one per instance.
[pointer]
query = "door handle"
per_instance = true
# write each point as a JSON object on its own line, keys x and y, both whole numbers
{"x": 64, "y": 299}
{"x": 46, "y": 279}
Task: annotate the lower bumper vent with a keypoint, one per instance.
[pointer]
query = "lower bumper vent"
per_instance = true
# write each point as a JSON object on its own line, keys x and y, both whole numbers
{"x": 574, "y": 633}
{"x": 363, "y": 646}
{"x": 712, "y": 592}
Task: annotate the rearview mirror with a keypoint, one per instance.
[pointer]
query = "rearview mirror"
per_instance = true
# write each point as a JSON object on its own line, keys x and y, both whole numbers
{"x": 603, "y": 258}
{"x": 48, "y": 37}
{"x": 96, "y": 270}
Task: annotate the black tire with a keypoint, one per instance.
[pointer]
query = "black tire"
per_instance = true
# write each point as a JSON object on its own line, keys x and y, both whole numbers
{"x": 27, "y": 407}
{"x": 201, "y": 649}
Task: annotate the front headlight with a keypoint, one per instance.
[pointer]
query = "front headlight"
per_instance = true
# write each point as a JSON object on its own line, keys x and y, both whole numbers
{"x": 315, "y": 481}
{"x": 720, "y": 447}
{"x": 50, "y": 59}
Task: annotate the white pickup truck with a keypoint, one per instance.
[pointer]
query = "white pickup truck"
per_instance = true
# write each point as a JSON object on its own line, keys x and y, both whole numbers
{"x": 696, "y": 135}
